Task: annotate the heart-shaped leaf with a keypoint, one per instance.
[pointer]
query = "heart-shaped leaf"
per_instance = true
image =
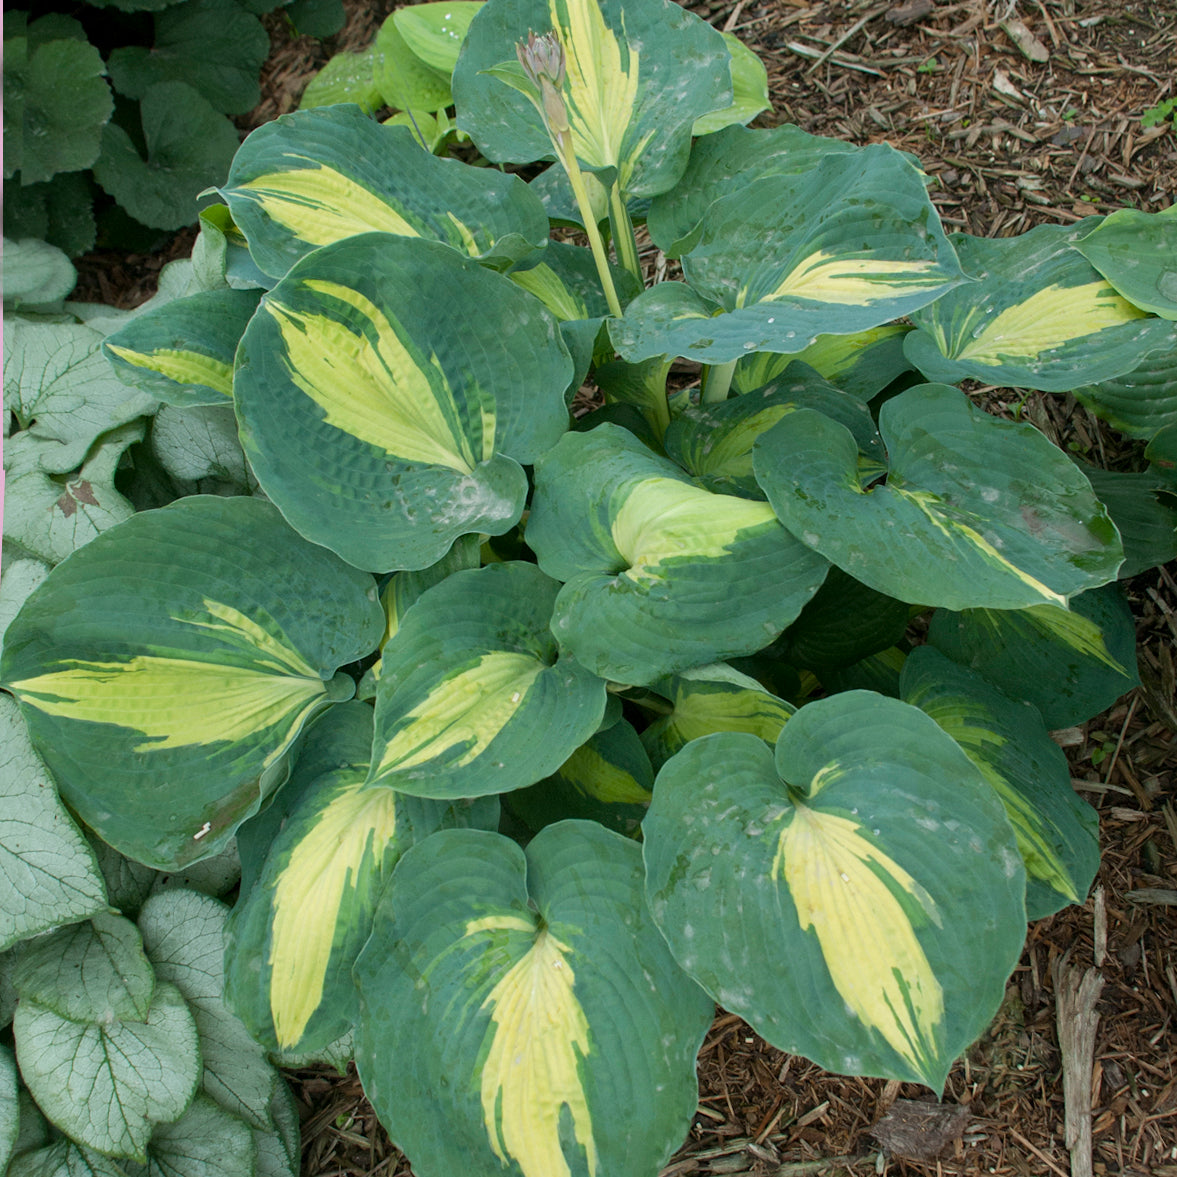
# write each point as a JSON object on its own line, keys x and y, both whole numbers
{"x": 201, "y": 638}
{"x": 520, "y": 1008}
{"x": 800, "y": 893}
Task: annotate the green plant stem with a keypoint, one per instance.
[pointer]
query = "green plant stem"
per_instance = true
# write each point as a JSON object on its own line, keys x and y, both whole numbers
{"x": 623, "y": 236}
{"x": 717, "y": 381}
{"x": 600, "y": 253}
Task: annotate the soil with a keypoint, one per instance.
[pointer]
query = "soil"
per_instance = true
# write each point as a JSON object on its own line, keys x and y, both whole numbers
{"x": 1013, "y": 137}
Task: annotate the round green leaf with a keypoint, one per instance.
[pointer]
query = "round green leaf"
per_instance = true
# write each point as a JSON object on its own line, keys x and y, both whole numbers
{"x": 435, "y": 32}
{"x": 638, "y": 74}
{"x": 9, "y": 1106}
{"x": 214, "y": 46}
{"x": 1057, "y": 832}
{"x": 200, "y": 638}
{"x": 48, "y": 875}
{"x": 402, "y": 78}
{"x": 975, "y": 513}
{"x": 206, "y": 1141}
{"x": 64, "y": 1158}
{"x": 520, "y": 1010}
{"x": 650, "y": 560}
{"x": 182, "y": 352}
{"x": 1070, "y": 663}
{"x": 858, "y": 899}
{"x": 318, "y": 176}
{"x": 1137, "y": 253}
{"x": 35, "y": 273}
{"x": 347, "y": 77}
{"x": 184, "y": 936}
{"x": 198, "y": 444}
{"x": 1038, "y": 316}
{"x": 189, "y": 148}
{"x": 90, "y": 972}
{"x": 107, "y": 1084}
{"x": 850, "y": 244}
{"x": 66, "y": 103}
{"x": 296, "y": 930}
{"x": 469, "y": 678}
{"x": 387, "y": 391}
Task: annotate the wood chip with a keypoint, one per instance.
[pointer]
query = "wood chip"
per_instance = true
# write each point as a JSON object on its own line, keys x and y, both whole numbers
{"x": 1028, "y": 45}
{"x": 1077, "y": 994}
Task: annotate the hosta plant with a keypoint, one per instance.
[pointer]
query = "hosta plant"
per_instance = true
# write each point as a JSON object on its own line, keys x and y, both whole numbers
{"x": 545, "y": 714}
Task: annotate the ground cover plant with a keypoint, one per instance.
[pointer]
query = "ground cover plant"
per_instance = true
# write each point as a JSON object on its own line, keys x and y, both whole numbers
{"x": 663, "y": 568}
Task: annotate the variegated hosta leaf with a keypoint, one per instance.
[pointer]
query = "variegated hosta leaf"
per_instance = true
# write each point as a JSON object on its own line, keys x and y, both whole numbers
{"x": 975, "y": 512}
{"x": 469, "y": 679}
{"x": 166, "y": 668}
{"x": 607, "y": 779}
{"x": 295, "y": 933}
{"x": 1057, "y": 832}
{"x": 435, "y": 32}
{"x": 710, "y": 699}
{"x": 387, "y": 391}
{"x": 844, "y": 623}
{"x": 318, "y": 176}
{"x": 859, "y": 900}
{"x": 520, "y": 1012}
{"x": 862, "y": 364}
{"x": 1070, "y": 663}
{"x": 850, "y": 244}
{"x": 724, "y": 163}
{"x": 1143, "y": 401}
{"x": 1137, "y": 253}
{"x": 1039, "y": 316}
{"x": 182, "y": 352}
{"x": 749, "y": 91}
{"x": 651, "y": 561}
{"x": 714, "y": 442}
{"x": 638, "y": 74}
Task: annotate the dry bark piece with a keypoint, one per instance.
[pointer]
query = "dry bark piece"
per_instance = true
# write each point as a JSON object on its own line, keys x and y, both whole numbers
{"x": 919, "y": 1131}
{"x": 909, "y": 13}
{"x": 1028, "y": 45}
{"x": 1077, "y": 994}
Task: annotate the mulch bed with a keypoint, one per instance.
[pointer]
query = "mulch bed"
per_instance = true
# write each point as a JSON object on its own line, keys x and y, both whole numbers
{"x": 1023, "y": 114}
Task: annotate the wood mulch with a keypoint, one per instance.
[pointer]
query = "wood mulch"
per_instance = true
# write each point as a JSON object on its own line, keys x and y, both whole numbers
{"x": 1023, "y": 113}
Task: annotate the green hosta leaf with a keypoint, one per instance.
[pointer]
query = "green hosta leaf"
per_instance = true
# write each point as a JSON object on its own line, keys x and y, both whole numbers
{"x": 402, "y": 78}
{"x": 220, "y": 256}
{"x": 64, "y": 1158}
{"x": 1161, "y": 453}
{"x": 214, "y": 46}
{"x": 749, "y": 91}
{"x": 471, "y": 675}
{"x": 850, "y": 244}
{"x": 347, "y": 77}
{"x": 713, "y": 699}
{"x": 650, "y": 560}
{"x": 1070, "y": 663}
{"x": 862, "y": 364}
{"x": 318, "y": 176}
{"x": 858, "y": 899}
{"x": 1057, "y": 832}
{"x": 520, "y": 1009}
{"x": 1137, "y": 253}
{"x": 386, "y": 426}
{"x": 66, "y": 103}
{"x": 1144, "y": 515}
{"x": 206, "y": 1141}
{"x": 642, "y": 387}
{"x": 35, "y": 273}
{"x": 106, "y": 1084}
{"x": 184, "y": 935}
{"x": 294, "y": 935}
{"x": 48, "y": 875}
{"x": 638, "y": 74}
{"x": 201, "y": 443}
{"x": 9, "y": 1105}
{"x": 844, "y": 623}
{"x": 78, "y": 506}
{"x": 725, "y": 163}
{"x": 90, "y": 972}
{"x": 878, "y": 672}
{"x": 1039, "y": 316}
{"x": 435, "y": 32}
{"x": 714, "y": 442}
{"x": 607, "y": 779}
{"x": 182, "y": 352}
{"x": 59, "y": 388}
{"x": 189, "y": 148}
{"x": 975, "y": 513}
{"x": 1143, "y": 401}
{"x": 202, "y": 636}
